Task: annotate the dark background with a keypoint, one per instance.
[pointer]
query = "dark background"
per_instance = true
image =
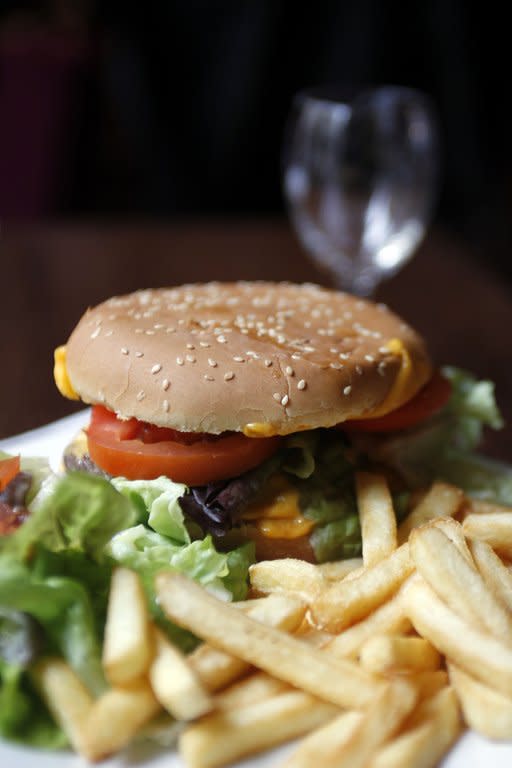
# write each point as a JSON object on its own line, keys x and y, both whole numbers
{"x": 175, "y": 108}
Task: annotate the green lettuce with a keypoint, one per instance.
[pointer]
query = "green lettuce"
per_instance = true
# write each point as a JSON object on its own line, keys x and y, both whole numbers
{"x": 444, "y": 448}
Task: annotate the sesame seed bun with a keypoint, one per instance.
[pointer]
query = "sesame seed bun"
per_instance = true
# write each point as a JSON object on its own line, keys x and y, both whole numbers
{"x": 237, "y": 356}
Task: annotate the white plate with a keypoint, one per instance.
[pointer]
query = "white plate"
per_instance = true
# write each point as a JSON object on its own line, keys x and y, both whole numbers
{"x": 471, "y": 751}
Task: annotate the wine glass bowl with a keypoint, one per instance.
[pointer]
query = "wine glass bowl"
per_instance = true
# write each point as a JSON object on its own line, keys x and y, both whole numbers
{"x": 360, "y": 175}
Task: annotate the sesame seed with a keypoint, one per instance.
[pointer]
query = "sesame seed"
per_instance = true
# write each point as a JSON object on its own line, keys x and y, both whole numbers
{"x": 382, "y": 368}
{"x": 109, "y": 332}
{"x": 369, "y": 358}
{"x": 166, "y": 384}
{"x": 239, "y": 359}
{"x": 296, "y": 356}
{"x": 204, "y": 344}
{"x": 245, "y": 331}
{"x": 277, "y": 396}
{"x": 229, "y": 375}
{"x": 285, "y": 400}
{"x": 337, "y": 366}
{"x": 359, "y": 370}
{"x": 289, "y": 371}
{"x": 170, "y": 329}
{"x": 165, "y": 406}
{"x": 149, "y": 333}
{"x": 157, "y": 326}
{"x": 383, "y": 350}
{"x": 140, "y": 395}
{"x": 139, "y": 354}
{"x": 156, "y": 368}
{"x": 268, "y": 363}
{"x": 281, "y": 339}
{"x": 344, "y": 355}
{"x": 212, "y": 363}
{"x": 124, "y": 351}
{"x": 190, "y": 359}
{"x": 347, "y": 390}
{"x": 221, "y": 339}
{"x": 208, "y": 378}
{"x": 180, "y": 361}
{"x": 301, "y": 384}
{"x": 96, "y": 332}
{"x": 190, "y": 346}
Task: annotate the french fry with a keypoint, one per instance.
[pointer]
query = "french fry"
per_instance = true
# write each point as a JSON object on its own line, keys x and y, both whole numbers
{"x": 339, "y": 569}
{"x": 116, "y": 717}
{"x": 496, "y": 575}
{"x": 338, "y": 746}
{"x": 429, "y": 683}
{"x": 486, "y": 710}
{"x": 349, "y": 601}
{"x": 495, "y": 528}
{"x": 223, "y": 737}
{"x": 296, "y": 577}
{"x": 216, "y": 668}
{"x": 457, "y": 583}
{"x": 484, "y": 657}
{"x": 175, "y": 684}
{"x": 442, "y": 500}
{"x": 67, "y": 698}
{"x": 269, "y": 649}
{"x": 424, "y": 744}
{"x": 455, "y": 532}
{"x": 250, "y": 690}
{"x": 388, "y": 618}
{"x": 386, "y": 653}
{"x": 377, "y": 517}
{"x": 127, "y": 644}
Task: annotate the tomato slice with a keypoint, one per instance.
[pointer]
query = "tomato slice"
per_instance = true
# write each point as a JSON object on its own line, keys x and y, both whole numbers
{"x": 9, "y": 468}
{"x": 430, "y": 399}
{"x": 141, "y": 451}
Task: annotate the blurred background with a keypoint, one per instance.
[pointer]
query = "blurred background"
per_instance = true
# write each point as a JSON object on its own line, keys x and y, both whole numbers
{"x": 140, "y": 145}
{"x": 177, "y": 107}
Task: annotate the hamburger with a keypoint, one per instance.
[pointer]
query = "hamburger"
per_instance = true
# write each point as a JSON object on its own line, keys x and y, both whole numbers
{"x": 261, "y": 399}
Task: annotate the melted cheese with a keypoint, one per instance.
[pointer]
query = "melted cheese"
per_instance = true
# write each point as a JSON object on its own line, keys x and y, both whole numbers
{"x": 277, "y": 515}
{"x": 405, "y": 384}
{"x": 60, "y": 374}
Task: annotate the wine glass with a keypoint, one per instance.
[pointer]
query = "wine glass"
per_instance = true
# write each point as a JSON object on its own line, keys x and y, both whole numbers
{"x": 360, "y": 173}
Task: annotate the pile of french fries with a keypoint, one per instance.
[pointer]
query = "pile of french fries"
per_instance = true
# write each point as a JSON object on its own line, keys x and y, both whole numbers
{"x": 373, "y": 662}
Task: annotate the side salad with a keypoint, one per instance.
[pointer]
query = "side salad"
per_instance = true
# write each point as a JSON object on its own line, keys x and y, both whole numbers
{"x": 71, "y": 530}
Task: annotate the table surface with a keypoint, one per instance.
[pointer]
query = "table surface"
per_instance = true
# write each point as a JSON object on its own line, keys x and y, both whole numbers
{"x": 52, "y": 272}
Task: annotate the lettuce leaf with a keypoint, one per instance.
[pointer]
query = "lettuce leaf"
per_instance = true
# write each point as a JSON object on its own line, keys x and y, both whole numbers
{"x": 443, "y": 448}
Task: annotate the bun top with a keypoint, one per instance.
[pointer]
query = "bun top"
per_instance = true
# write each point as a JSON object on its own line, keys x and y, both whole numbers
{"x": 263, "y": 358}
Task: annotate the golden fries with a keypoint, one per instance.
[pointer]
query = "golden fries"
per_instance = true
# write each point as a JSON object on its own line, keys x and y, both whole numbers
{"x": 425, "y": 743}
{"x": 342, "y": 745}
{"x": 388, "y": 618}
{"x": 486, "y": 710}
{"x": 349, "y": 601}
{"x": 225, "y": 736}
{"x": 290, "y": 576}
{"x": 457, "y": 583}
{"x": 442, "y": 500}
{"x": 480, "y": 654}
{"x": 497, "y": 576}
{"x": 216, "y": 668}
{"x": 174, "y": 682}
{"x": 127, "y": 643}
{"x": 66, "y": 697}
{"x": 116, "y": 717}
{"x": 351, "y": 656}
{"x": 291, "y": 660}
{"x": 377, "y": 517}
{"x": 385, "y": 654}
{"x": 495, "y": 528}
